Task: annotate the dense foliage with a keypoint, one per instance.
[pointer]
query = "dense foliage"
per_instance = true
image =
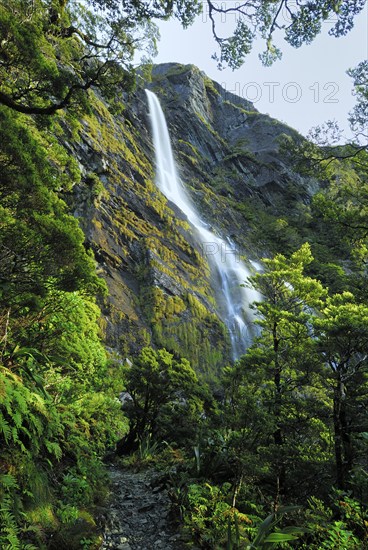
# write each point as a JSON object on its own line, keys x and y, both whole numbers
{"x": 292, "y": 430}
{"x": 289, "y": 434}
{"x": 285, "y": 437}
{"x": 52, "y": 51}
{"x": 275, "y": 452}
{"x": 54, "y": 368}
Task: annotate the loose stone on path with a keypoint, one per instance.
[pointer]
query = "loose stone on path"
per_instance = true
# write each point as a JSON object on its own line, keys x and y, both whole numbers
{"x": 138, "y": 517}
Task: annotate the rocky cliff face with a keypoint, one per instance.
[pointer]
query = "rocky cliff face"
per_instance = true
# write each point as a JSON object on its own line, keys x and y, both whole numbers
{"x": 228, "y": 156}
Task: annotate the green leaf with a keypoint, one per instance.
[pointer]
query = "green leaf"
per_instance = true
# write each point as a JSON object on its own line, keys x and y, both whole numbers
{"x": 264, "y": 528}
{"x": 279, "y": 537}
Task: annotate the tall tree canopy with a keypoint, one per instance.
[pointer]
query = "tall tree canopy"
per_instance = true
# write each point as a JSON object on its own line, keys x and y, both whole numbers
{"x": 51, "y": 51}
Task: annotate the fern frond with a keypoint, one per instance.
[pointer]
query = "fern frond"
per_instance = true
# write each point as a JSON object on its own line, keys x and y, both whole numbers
{"x": 4, "y": 428}
{"x": 8, "y": 481}
{"x": 54, "y": 449}
{"x": 21, "y": 402}
{"x": 35, "y": 423}
{"x": 17, "y": 418}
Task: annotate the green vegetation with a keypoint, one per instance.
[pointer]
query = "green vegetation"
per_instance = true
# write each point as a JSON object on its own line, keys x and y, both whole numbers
{"x": 286, "y": 436}
{"x": 45, "y": 44}
{"x": 165, "y": 399}
{"x": 187, "y": 327}
{"x": 54, "y": 367}
{"x": 272, "y": 452}
{"x": 210, "y": 86}
{"x": 268, "y": 452}
{"x": 287, "y": 439}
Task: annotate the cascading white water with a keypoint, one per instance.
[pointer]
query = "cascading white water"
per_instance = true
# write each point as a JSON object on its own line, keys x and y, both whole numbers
{"x": 230, "y": 273}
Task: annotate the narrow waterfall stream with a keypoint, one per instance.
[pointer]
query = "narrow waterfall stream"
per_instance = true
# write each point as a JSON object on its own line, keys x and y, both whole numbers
{"x": 228, "y": 271}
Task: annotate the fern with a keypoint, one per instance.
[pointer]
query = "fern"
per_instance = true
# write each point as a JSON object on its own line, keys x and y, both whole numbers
{"x": 7, "y": 481}
{"x": 35, "y": 423}
{"x": 21, "y": 403}
{"x": 9, "y": 530}
{"x": 340, "y": 538}
{"x": 17, "y": 417}
{"x": 4, "y": 428}
{"x": 54, "y": 449}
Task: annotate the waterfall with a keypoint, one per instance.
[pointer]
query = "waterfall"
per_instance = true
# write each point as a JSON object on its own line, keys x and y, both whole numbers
{"x": 228, "y": 271}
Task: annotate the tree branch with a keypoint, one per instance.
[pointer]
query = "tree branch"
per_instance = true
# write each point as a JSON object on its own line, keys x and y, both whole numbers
{"x": 69, "y": 31}
{"x": 8, "y": 101}
{"x": 335, "y": 156}
{"x": 274, "y": 21}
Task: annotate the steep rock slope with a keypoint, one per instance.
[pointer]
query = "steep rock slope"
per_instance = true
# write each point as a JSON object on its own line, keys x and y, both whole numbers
{"x": 228, "y": 156}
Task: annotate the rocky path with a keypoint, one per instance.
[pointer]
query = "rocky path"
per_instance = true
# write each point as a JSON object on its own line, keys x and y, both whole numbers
{"x": 138, "y": 516}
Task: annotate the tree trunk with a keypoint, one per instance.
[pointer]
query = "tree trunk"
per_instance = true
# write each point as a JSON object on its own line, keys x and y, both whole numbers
{"x": 343, "y": 453}
{"x": 278, "y": 435}
{"x": 237, "y": 487}
{"x": 127, "y": 444}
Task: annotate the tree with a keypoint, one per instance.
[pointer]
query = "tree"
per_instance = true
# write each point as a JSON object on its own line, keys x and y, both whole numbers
{"x": 342, "y": 336}
{"x": 340, "y": 207}
{"x": 343, "y": 209}
{"x": 157, "y": 384}
{"x": 359, "y": 116}
{"x": 284, "y": 374}
{"x": 304, "y": 333}
{"x": 42, "y": 248}
{"x": 53, "y": 51}
{"x": 55, "y": 392}
{"x": 323, "y": 154}
{"x": 300, "y": 23}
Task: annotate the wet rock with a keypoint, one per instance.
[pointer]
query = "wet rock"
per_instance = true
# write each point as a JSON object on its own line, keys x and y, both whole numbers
{"x": 227, "y": 152}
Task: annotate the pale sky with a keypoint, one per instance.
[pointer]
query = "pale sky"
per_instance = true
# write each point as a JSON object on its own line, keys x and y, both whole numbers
{"x": 307, "y": 87}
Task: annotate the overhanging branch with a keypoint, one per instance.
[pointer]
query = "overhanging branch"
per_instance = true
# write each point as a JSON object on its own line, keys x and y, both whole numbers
{"x": 50, "y": 109}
